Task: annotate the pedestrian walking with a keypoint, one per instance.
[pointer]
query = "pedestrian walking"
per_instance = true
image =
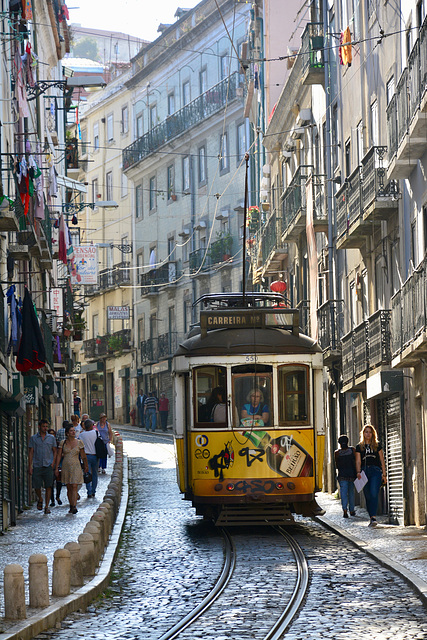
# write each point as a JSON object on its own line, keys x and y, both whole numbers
{"x": 150, "y": 410}
{"x": 75, "y": 421}
{"x": 104, "y": 430}
{"x": 41, "y": 463}
{"x": 70, "y": 451}
{"x": 164, "y": 411}
{"x": 52, "y": 432}
{"x": 345, "y": 461}
{"x": 88, "y": 436}
{"x": 77, "y": 402}
{"x": 140, "y": 406}
{"x": 370, "y": 459}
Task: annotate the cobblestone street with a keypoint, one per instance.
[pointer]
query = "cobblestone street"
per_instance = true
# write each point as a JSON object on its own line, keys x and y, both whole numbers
{"x": 169, "y": 560}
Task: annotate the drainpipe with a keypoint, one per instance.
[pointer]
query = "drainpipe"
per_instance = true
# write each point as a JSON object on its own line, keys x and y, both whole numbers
{"x": 193, "y": 239}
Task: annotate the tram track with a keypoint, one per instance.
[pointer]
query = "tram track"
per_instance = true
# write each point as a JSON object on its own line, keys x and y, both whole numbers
{"x": 295, "y": 599}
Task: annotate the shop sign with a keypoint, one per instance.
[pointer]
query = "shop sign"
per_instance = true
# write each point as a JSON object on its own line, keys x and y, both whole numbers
{"x": 118, "y": 313}
{"x": 57, "y": 304}
{"x": 160, "y": 367}
{"x": 85, "y": 265}
{"x": 77, "y": 368}
{"x": 31, "y": 395}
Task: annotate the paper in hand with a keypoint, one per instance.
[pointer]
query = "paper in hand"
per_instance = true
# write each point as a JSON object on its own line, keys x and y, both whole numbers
{"x": 359, "y": 483}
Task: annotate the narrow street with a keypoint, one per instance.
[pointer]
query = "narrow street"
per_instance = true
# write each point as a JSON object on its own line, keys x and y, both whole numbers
{"x": 169, "y": 560}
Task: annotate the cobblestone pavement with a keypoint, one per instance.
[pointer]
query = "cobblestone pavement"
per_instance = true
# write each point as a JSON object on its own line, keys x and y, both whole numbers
{"x": 169, "y": 560}
{"x": 36, "y": 532}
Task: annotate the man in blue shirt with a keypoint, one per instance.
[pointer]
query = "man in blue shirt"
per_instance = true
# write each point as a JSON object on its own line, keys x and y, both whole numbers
{"x": 41, "y": 462}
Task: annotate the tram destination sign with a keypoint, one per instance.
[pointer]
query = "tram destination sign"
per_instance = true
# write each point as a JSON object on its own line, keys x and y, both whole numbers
{"x": 249, "y": 319}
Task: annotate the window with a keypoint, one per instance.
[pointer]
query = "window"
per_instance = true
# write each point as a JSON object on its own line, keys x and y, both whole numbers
{"x": 421, "y": 12}
{"x": 223, "y": 163}
{"x": 241, "y": 142}
{"x": 347, "y": 158}
{"x": 379, "y": 280}
{"x": 153, "y": 116}
{"x": 374, "y": 124}
{"x": 84, "y": 142}
{"x": 110, "y": 127}
{"x": 153, "y": 195}
{"x": 171, "y": 248}
{"x": 95, "y": 190}
{"x": 138, "y": 201}
{"x": 203, "y": 81}
{"x": 186, "y": 173}
{"x": 109, "y": 185}
{"x": 125, "y": 120}
{"x": 139, "y": 125}
{"x": 171, "y": 103}
{"x": 171, "y": 182}
{"x": 140, "y": 269}
{"x": 140, "y": 330}
{"x": 210, "y": 391}
{"x": 293, "y": 394}
{"x": 96, "y": 136}
{"x": 390, "y": 89}
{"x": 252, "y": 400}
{"x": 224, "y": 67}
{"x": 123, "y": 185}
{"x": 186, "y": 97}
{"x": 95, "y": 326}
{"x": 202, "y": 165}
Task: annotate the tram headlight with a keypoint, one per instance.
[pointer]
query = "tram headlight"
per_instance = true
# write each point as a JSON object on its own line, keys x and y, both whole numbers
{"x": 230, "y": 486}
{"x": 280, "y": 486}
{"x": 291, "y": 486}
{"x": 218, "y": 487}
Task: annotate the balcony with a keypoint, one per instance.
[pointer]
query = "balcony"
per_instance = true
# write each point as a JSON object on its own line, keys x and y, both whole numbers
{"x": 72, "y": 157}
{"x": 114, "y": 277}
{"x": 195, "y": 112}
{"x": 407, "y": 114}
{"x": 312, "y": 45}
{"x": 294, "y": 204}
{"x": 8, "y": 218}
{"x": 409, "y": 320}
{"x": 107, "y": 345}
{"x": 271, "y": 249}
{"x": 160, "y": 348}
{"x": 304, "y": 316}
{"x": 331, "y": 329}
{"x": 365, "y": 349}
{"x": 199, "y": 260}
{"x": 155, "y": 279}
{"x": 379, "y": 195}
{"x": 352, "y": 229}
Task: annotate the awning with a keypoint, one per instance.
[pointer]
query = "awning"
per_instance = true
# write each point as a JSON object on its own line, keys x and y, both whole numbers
{"x": 69, "y": 183}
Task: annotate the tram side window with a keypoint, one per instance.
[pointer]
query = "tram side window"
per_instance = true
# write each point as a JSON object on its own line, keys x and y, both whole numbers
{"x": 252, "y": 400}
{"x": 293, "y": 394}
{"x": 210, "y": 395}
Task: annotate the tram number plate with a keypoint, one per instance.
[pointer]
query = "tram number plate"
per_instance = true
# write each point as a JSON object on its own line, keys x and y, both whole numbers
{"x": 251, "y": 358}
{"x": 255, "y": 486}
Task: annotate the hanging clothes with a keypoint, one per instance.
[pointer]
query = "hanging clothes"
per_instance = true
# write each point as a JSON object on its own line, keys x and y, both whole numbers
{"x": 21, "y": 93}
{"x": 31, "y": 352}
{"x": 15, "y": 321}
{"x": 64, "y": 240}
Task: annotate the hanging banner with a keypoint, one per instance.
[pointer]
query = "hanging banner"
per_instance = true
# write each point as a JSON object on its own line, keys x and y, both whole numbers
{"x": 84, "y": 268}
{"x": 57, "y": 302}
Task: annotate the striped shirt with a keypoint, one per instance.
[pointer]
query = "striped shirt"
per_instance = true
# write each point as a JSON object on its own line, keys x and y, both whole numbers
{"x": 151, "y": 403}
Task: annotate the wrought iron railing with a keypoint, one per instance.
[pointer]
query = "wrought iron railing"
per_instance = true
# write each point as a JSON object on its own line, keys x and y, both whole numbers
{"x": 361, "y": 345}
{"x": 164, "y": 346}
{"x": 190, "y": 115}
{"x": 342, "y": 210}
{"x": 270, "y": 237}
{"x": 155, "y": 278}
{"x": 374, "y": 182}
{"x": 199, "y": 260}
{"x": 402, "y": 106}
{"x": 392, "y": 141}
{"x": 414, "y": 80}
{"x": 304, "y": 316}
{"x": 294, "y": 196}
{"x": 89, "y": 348}
{"x": 409, "y": 309}
{"x": 354, "y": 195}
{"x": 347, "y": 358}
{"x": 312, "y": 47}
{"x": 379, "y": 338}
{"x": 331, "y": 324}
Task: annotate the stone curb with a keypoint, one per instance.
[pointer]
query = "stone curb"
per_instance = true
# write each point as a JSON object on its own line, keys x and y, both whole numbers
{"x": 80, "y": 599}
{"x": 414, "y": 581}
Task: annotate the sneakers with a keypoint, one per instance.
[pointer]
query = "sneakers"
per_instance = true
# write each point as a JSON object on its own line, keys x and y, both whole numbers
{"x": 373, "y": 522}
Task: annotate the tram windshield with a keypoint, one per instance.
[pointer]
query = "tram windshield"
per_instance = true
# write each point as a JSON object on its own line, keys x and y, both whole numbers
{"x": 211, "y": 395}
{"x": 252, "y": 400}
{"x": 293, "y": 394}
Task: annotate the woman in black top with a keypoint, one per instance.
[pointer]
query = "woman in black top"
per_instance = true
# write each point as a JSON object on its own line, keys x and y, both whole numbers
{"x": 370, "y": 458}
{"x": 345, "y": 462}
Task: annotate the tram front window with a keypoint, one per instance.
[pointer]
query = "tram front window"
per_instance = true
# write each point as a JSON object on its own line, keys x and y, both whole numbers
{"x": 252, "y": 400}
{"x": 210, "y": 395}
{"x": 293, "y": 394}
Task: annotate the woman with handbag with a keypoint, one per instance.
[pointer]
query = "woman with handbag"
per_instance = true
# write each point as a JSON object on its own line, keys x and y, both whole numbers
{"x": 370, "y": 458}
{"x": 104, "y": 430}
{"x": 70, "y": 451}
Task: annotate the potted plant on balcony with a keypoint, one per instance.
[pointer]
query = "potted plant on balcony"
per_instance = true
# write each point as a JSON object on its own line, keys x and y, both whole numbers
{"x": 115, "y": 343}
{"x": 220, "y": 250}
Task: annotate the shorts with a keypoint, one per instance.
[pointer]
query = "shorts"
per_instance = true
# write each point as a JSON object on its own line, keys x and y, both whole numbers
{"x": 42, "y": 477}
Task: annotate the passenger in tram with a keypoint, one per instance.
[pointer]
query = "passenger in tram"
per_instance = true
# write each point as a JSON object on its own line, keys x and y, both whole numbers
{"x": 216, "y": 406}
{"x": 370, "y": 459}
{"x": 255, "y": 407}
{"x": 345, "y": 461}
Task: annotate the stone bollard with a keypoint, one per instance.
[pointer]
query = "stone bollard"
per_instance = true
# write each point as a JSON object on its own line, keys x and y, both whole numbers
{"x": 87, "y": 553}
{"x": 76, "y": 574}
{"x": 61, "y": 573}
{"x": 100, "y": 517}
{"x": 38, "y": 576}
{"x": 105, "y": 508}
{"x": 110, "y": 495}
{"x": 14, "y": 592}
{"x": 94, "y": 528}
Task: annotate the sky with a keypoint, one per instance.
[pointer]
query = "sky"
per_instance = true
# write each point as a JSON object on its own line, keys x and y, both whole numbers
{"x": 138, "y": 18}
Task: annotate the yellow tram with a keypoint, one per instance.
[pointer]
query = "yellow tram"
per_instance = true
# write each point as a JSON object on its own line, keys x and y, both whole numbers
{"x": 249, "y": 424}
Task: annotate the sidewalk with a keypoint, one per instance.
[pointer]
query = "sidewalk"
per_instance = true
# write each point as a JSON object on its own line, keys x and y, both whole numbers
{"x": 401, "y": 549}
{"x": 36, "y": 532}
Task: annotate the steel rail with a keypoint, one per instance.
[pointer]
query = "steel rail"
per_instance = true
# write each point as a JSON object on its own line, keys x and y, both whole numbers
{"x": 300, "y": 589}
{"x": 220, "y": 585}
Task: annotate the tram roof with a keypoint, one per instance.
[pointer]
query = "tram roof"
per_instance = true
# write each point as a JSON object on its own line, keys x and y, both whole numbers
{"x": 236, "y": 300}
